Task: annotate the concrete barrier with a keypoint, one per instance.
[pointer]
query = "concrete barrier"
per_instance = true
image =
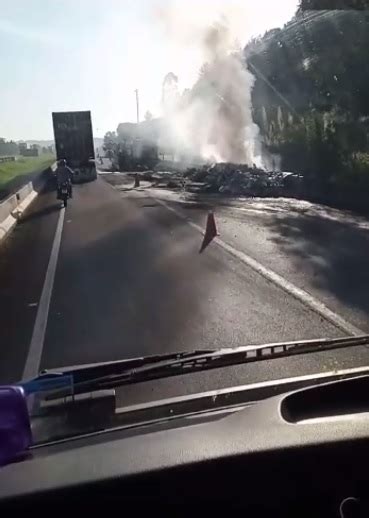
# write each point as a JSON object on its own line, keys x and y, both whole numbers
{"x": 13, "y": 207}
{"x": 24, "y": 204}
{"x": 7, "y": 220}
{"x": 7, "y": 206}
{"x": 24, "y": 192}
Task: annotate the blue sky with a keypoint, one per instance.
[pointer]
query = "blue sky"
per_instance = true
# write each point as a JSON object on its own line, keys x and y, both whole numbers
{"x": 60, "y": 55}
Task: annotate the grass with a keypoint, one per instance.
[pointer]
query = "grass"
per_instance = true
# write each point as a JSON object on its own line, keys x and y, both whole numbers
{"x": 24, "y": 165}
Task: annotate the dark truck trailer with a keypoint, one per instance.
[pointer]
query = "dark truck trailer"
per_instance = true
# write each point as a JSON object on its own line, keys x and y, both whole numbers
{"x": 74, "y": 142}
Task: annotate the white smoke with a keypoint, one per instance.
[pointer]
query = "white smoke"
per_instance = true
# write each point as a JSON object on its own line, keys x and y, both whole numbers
{"x": 213, "y": 119}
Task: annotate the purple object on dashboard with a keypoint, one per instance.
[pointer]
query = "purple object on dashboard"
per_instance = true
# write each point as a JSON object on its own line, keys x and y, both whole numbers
{"x": 15, "y": 428}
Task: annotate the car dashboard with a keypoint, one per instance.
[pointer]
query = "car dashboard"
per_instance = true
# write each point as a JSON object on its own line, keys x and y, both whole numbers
{"x": 304, "y": 453}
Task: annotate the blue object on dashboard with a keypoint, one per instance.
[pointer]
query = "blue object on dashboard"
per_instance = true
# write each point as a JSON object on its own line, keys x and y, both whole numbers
{"x": 15, "y": 427}
{"x": 47, "y": 383}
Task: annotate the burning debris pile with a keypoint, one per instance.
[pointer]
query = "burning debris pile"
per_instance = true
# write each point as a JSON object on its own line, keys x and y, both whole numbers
{"x": 243, "y": 180}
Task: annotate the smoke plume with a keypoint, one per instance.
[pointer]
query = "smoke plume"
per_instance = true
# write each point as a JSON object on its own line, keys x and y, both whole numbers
{"x": 212, "y": 119}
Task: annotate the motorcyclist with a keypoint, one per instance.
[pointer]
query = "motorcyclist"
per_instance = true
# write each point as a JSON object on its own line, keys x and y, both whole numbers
{"x": 64, "y": 174}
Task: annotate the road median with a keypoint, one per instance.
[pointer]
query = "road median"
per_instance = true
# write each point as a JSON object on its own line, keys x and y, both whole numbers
{"x": 13, "y": 207}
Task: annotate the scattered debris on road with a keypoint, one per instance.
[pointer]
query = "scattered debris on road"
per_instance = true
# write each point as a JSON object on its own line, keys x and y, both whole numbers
{"x": 240, "y": 179}
{"x": 223, "y": 178}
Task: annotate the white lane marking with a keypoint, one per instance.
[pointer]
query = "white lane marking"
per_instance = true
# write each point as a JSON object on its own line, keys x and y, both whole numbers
{"x": 277, "y": 279}
{"x": 32, "y": 365}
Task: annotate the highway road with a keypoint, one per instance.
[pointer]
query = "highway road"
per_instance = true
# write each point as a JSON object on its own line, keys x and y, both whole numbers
{"x": 129, "y": 281}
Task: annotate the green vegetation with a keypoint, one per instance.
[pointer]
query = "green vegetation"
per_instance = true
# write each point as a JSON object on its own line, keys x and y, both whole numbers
{"x": 24, "y": 165}
{"x": 311, "y": 100}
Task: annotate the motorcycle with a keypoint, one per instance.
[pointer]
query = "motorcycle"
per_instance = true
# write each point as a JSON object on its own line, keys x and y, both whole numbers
{"x": 64, "y": 193}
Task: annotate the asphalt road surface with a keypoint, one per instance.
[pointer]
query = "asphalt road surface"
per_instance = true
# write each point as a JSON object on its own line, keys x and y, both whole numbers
{"x": 129, "y": 281}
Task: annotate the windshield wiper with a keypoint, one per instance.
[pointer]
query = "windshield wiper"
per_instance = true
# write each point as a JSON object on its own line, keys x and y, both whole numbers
{"x": 102, "y": 376}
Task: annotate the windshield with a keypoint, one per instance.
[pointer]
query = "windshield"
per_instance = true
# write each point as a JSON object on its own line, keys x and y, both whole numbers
{"x": 179, "y": 176}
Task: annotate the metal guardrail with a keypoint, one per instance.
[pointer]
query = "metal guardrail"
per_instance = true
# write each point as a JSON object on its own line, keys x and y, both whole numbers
{"x": 7, "y": 159}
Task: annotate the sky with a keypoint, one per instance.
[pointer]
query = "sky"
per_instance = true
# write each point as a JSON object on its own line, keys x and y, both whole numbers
{"x": 58, "y": 55}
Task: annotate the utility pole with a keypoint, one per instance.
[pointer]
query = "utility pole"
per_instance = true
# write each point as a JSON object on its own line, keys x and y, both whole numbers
{"x": 137, "y": 106}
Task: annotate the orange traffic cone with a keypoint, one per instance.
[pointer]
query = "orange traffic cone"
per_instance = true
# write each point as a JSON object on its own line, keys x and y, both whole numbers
{"x": 137, "y": 180}
{"x": 210, "y": 232}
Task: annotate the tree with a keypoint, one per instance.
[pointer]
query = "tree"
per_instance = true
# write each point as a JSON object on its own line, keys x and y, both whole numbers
{"x": 333, "y": 4}
{"x": 110, "y": 143}
{"x": 8, "y": 148}
{"x": 315, "y": 73}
